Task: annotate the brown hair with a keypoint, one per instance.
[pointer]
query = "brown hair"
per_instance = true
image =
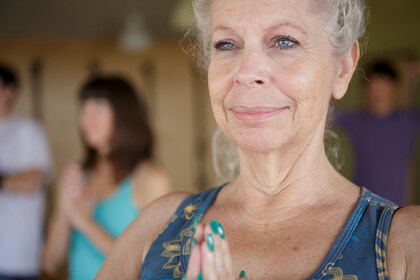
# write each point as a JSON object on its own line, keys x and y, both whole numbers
{"x": 8, "y": 76}
{"x": 132, "y": 139}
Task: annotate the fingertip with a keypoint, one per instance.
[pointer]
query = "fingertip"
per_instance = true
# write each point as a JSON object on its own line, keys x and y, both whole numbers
{"x": 199, "y": 233}
{"x": 193, "y": 242}
{"x": 213, "y": 226}
{"x": 195, "y": 221}
{"x": 210, "y": 242}
{"x": 221, "y": 231}
{"x": 242, "y": 275}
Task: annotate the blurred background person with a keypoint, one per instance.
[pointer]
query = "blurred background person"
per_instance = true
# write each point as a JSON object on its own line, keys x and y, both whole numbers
{"x": 97, "y": 199}
{"x": 24, "y": 168}
{"x": 383, "y": 136}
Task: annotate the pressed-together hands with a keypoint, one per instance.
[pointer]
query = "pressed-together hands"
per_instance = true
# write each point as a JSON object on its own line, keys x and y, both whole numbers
{"x": 73, "y": 210}
{"x": 210, "y": 257}
{"x": 77, "y": 200}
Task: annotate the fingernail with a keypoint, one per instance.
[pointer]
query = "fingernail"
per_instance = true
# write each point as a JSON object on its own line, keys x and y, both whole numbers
{"x": 184, "y": 277}
{"x": 221, "y": 231}
{"x": 213, "y": 225}
{"x": 194, "y": 241}
{"x": 243, "y": 275}
{"x": 200, "y": 276}
{"x": 196, "y": 221}
{"x": 210, "y": 242}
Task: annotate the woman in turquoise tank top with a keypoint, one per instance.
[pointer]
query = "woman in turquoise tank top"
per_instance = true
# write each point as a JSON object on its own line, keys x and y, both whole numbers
{"x": 100, "y": 198}
{"x": 273, "y": 66}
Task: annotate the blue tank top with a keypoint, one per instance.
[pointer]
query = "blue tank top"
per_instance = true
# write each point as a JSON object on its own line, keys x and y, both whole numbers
{"x": 113, "y": 214}
{"x": 359, "y": 252}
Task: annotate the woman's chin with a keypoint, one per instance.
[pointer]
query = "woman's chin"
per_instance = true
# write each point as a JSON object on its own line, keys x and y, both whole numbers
{"x": 94, "y": 144}
{"x": 259, "y": 143}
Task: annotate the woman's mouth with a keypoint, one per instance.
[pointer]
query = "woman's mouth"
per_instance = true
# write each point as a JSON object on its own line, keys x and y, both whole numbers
{"x": 255, "y": 114}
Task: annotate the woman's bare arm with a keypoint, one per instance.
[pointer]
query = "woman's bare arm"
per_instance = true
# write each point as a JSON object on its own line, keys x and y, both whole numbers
{"x": 403, "y": 244}
{"x": 58, "y": 233}
{"x": 126, "y": 257}
{"x": 55, "y": 247}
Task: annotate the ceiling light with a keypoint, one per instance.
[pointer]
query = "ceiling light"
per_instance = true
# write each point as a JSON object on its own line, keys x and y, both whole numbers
{"x": 134, "y": 36}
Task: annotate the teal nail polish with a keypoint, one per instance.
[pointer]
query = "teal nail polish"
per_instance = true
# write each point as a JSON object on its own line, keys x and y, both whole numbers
{"x": 221, "y": 231}
{"x": 213, "y": 226}
{"x": 196, "y": 221}
{"x": 184, "y": 277}
{"x": 243, "y": 275}
{"x": 193, "y": 242}
{"x": 200, "y": 276}
{"x": 210, "y": 242}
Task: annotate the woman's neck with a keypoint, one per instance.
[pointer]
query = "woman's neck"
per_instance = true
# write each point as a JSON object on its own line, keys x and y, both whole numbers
{"x": 104, "y": 169}
{"x": 285, "y": 182}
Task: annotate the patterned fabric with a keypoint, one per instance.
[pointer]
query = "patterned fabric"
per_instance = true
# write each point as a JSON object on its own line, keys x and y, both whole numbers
{"x": 359, "y": 252}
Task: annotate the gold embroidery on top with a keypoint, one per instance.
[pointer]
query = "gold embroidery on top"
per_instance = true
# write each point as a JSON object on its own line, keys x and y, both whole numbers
{"x": 173, "y": 251}
{"x": 174, "y": 248}
{"x": 189, "y": 210}
{"x": 381, "y": 258}
{"x": 384, "y": 205}
{"x": 337, "y": 273}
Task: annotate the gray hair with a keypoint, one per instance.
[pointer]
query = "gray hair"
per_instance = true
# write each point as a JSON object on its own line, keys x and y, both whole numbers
{"x": 344, "y": 21}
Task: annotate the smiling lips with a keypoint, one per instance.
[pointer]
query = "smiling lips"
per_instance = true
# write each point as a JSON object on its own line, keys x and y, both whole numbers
{"x": 255, "y": 114}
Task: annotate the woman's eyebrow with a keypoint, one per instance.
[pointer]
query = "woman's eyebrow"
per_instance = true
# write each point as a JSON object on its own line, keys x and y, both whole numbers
{"x": 273, "y": 27}
{"x": 222, "y": 28}
{"x": 287, "y": 24}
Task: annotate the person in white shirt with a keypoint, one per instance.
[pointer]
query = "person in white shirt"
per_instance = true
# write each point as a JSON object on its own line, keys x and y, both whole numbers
{"x": 24, "y": 168}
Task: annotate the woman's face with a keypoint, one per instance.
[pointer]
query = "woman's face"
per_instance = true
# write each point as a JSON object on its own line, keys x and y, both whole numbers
{"x": 272, "y": 71}
{"x": 96, "y": 122}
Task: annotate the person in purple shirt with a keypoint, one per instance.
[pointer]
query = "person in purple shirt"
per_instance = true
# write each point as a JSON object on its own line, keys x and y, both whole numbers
{"x": 383, "y": 137}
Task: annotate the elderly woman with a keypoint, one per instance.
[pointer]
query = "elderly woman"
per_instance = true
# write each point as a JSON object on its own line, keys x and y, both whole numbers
{"x": 273, "y": 66}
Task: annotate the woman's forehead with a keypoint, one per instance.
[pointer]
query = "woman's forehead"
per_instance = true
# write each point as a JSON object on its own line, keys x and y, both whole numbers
{"x": 95, "y": 100}
{"x": 264, "y": 13}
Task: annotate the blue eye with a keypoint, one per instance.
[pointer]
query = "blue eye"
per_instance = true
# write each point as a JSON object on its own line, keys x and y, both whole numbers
{"x": 285, "y": 42}
{"x": 224, "y": 46}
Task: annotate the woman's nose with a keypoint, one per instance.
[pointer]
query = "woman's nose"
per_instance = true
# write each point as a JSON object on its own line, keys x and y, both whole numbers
{"x": 252, "y": 70}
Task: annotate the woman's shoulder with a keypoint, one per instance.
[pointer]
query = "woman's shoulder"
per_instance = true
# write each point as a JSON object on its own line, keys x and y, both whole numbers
{"x": 404, "y": 243}
{"x": 148, "y": 171}
{"x": 405, "y": 225}
{"x": 150, "y": 182}
{"x": 160, "y": 211}
{"x": 126, "y": 257}
{"x": 156, "y": 216}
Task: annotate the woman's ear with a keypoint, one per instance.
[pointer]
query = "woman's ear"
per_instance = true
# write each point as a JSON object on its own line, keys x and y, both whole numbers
{"x": 345, "y": 70}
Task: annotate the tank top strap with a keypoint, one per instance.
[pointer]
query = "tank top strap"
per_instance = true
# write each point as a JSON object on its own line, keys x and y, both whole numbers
{"x": 362, "y": 254}
{"x": 346, "y": 235}
{"x": 382, "y": 238}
